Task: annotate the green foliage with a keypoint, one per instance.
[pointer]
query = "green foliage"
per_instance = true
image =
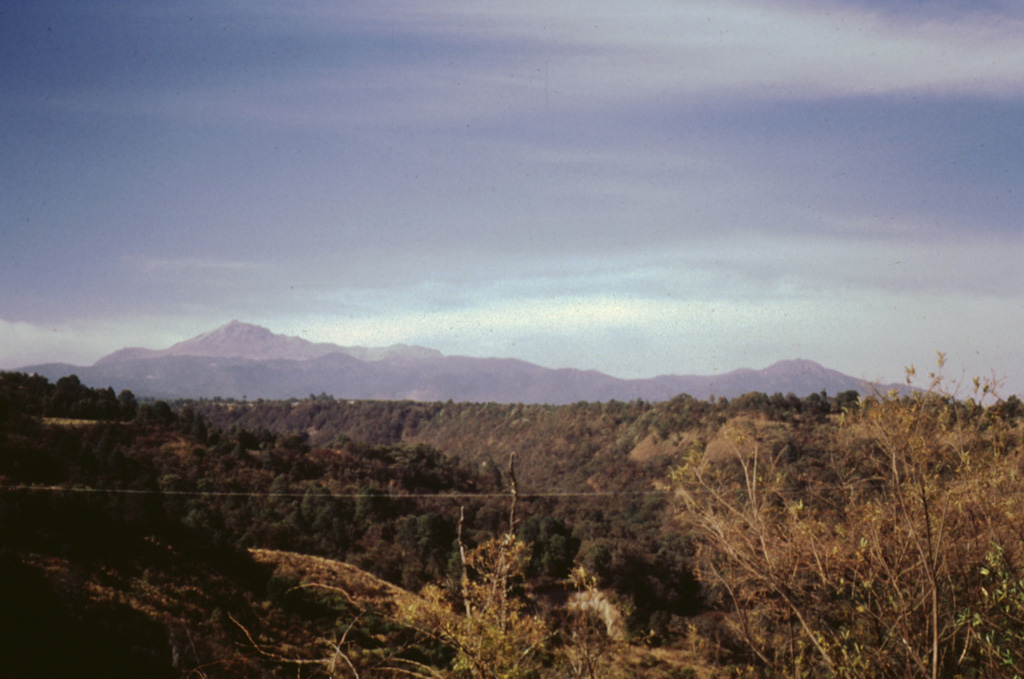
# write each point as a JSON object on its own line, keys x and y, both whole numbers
{"x": 67, "y": 399}
{"x": 995, "y": 620}
{"x": 552, "y": 546}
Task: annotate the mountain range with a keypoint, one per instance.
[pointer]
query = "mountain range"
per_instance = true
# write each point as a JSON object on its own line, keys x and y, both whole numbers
{"x": 241, "y": 360}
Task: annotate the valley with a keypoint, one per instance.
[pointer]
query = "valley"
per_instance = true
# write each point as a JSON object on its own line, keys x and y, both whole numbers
{"x": 326, "y": 537}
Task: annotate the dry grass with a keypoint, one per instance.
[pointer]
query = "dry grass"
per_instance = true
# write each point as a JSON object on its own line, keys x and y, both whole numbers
{"x": 653, "y": 446}
{"x": 68, "y": 422}
{"x": 362, "y": 589}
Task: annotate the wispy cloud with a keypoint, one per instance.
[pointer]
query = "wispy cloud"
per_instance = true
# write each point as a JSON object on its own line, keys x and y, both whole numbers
{"x": 626, "y": 335}
{"x": 81, "y": 342}
{"x": 481, "y": 61}
{"x": 778, "y": 50}
{"x": 183, "y": 266}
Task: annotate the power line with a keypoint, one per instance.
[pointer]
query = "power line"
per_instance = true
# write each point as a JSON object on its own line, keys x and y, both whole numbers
{"x": 329, "y": 494}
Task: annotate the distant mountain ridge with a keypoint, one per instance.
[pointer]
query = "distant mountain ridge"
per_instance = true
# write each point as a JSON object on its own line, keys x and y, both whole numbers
{"x": 241, "y": 360}
{"x": 255, "y": 343}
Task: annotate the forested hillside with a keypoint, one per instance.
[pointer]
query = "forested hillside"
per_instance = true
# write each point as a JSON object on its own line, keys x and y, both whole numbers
{"x": 585, "y": 445}
{"x": 758, "y": 536}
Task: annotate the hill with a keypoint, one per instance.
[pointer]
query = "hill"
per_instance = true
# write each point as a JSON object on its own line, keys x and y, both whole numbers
{"x": 157, "y": 544}
{"x": 240, "y": 360}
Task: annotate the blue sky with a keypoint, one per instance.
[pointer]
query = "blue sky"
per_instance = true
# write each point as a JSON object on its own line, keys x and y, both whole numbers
{"x": 640, "y": 187}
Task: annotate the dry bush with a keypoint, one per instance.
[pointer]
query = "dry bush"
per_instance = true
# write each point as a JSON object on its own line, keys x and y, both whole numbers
{"x": 872, "y": 561}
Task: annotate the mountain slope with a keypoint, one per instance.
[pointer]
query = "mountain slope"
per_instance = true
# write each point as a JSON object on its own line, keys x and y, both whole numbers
{"x": 255, "y": 343}
{"x": 240, "y": 360}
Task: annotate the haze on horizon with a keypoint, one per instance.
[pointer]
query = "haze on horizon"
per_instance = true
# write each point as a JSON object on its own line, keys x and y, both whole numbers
{"x": 640, "y": 188}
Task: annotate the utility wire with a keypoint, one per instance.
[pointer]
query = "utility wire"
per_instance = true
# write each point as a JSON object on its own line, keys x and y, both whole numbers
{"x": 268, "y": 494}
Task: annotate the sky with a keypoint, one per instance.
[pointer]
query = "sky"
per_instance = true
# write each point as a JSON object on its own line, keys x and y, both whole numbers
{"x": 640, "y": 187}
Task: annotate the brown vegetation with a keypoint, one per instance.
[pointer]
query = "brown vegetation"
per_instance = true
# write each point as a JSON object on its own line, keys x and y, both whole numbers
{"x": 830, "y": 536}
{"x": 876, "y": 557}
